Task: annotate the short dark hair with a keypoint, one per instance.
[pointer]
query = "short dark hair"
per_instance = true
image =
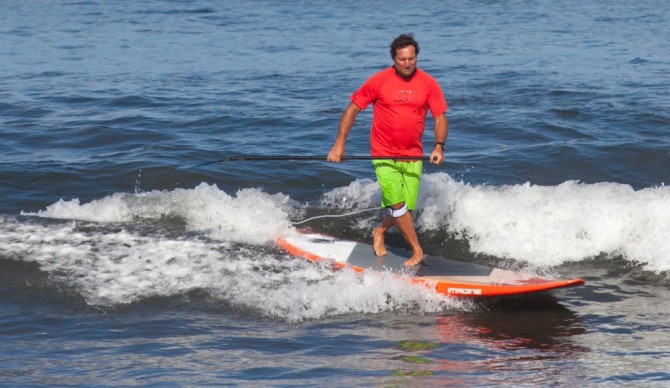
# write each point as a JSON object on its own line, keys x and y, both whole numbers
{"x": 402, "y": 41}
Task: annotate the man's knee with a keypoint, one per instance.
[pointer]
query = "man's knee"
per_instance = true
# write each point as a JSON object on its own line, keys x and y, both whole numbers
{"x": 395, "y": 213}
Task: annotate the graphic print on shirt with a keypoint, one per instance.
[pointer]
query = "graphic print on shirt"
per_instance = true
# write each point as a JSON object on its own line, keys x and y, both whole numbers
{"x": 404, "y": 96}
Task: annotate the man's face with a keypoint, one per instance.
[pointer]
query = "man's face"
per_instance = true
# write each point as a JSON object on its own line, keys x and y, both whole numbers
{"x": 405, "y": 61}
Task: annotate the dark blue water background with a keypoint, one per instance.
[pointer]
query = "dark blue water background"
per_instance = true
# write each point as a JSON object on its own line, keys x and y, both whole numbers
{"x": 120, "y": 263}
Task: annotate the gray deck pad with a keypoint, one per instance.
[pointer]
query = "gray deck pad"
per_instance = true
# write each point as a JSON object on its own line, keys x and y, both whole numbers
{"x": 363, "y": 256}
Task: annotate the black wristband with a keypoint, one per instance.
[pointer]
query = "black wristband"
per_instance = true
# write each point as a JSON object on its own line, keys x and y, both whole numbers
{"x": 440, "y": 143}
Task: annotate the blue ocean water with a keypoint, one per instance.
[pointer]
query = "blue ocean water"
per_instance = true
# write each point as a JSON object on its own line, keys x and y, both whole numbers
{"x": 124, "y": 263}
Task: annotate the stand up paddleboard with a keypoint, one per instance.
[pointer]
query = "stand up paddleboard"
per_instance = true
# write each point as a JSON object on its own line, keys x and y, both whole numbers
{"x": 449, "y": 277}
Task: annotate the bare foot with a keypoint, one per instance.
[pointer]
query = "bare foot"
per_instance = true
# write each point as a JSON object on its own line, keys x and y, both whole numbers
{"x": 416, "y": 259}
{"x": 378, "y": 239}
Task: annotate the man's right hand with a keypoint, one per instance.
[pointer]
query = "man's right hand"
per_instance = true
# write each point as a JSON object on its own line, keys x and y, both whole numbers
{"x": 336, "y": 153}
{"x": 346, "y": 122}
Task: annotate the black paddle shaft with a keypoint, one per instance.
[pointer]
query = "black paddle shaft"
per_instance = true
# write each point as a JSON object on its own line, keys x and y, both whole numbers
{"x": 252, "y": 158}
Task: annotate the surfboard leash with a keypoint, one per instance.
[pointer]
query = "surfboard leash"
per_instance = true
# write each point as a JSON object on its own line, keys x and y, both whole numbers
{"x": 335, "y": 215}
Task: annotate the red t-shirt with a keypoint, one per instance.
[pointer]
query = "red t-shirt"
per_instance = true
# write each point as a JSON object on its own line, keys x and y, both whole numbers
{"x": 400, "y": 108}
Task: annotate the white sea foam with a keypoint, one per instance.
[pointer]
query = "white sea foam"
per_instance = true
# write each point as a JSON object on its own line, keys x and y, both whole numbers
{"x": 110, "y": 268}
{"x": 231, "y": 257}
{"x": 251, "y": 216}
{"x": 544, "y": 225}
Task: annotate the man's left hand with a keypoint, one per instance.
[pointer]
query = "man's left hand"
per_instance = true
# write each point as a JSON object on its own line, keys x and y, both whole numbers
{"x": 437, "y": 156}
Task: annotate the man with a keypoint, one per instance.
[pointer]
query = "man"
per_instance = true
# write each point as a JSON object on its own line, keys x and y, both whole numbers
{"x": 402, "y": 95}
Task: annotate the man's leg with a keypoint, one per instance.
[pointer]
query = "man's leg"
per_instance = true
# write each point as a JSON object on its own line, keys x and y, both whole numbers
{"x": 406, "y": 226}
{"x": 378, "y": 235}
{"x": 402, "y": 219}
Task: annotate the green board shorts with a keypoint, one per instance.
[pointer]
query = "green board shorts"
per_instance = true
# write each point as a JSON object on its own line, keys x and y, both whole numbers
{"x": 399, "y": 181}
